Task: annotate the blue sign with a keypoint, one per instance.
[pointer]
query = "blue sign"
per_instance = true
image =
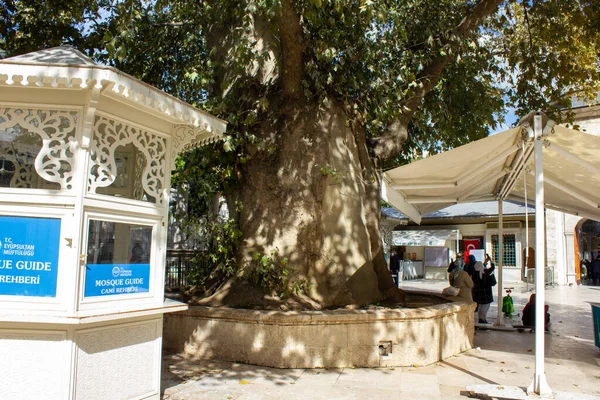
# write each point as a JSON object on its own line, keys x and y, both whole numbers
{"x": 111, "y": 279}
{"x": 29, "y": 256}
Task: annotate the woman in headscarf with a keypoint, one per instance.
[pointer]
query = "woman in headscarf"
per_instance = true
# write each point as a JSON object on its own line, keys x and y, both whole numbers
{"x": 482, "y": 288}
{"x": 529, "y": 314}
{"x": 460, "y": 279}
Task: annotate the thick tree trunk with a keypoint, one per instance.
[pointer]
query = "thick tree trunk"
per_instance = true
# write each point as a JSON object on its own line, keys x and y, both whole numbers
{"x": 315, "y": 200}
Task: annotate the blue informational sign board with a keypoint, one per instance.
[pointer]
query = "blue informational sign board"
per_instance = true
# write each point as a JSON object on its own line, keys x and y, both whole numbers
{"x": 29, "y": 250}
{"x": 115, "y": 279}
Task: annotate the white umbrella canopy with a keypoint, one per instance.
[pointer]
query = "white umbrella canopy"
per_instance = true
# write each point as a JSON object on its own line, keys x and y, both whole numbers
{"x": 492, "y": 169}
{"x": 538, "y": 162}
{"x": 571, "y": 163}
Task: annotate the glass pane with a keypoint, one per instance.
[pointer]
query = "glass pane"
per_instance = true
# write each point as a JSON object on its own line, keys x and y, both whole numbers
{"x": 29, "y": 252}
{"x": 18, "y": 150}
{"x": 130, "y": 164}
{"x": 118, "y": 258}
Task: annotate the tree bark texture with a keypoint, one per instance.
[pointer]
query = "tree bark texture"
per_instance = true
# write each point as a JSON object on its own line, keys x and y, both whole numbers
{"x": 311, "y": 192}
{"x": 316, "y": 201}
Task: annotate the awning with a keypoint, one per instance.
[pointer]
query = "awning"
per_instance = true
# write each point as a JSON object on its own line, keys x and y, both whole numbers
{"x": 498, "y": 167}
{"x": 538, "y": 162}
{"x": 434, "y": 238}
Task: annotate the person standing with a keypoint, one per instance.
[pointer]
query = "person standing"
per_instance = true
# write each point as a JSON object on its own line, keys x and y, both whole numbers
{"x": 395, "y": 264}
{"x": 460, "y": 279}
{"x": 483, "y": 281}
{"x": 470, "y": 264}
{"x": 595, "y": 270}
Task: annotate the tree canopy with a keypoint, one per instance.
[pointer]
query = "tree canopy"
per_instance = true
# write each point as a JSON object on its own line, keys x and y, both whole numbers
{"x": 372, "y": 55}
{"x": 417, "y": 75}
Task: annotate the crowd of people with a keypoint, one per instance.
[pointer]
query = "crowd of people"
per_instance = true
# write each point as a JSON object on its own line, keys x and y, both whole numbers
{"x": 475, "y": 280}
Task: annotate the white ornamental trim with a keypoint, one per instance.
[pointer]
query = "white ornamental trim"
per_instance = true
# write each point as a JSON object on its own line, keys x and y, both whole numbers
{"x": 186, "y": 137}
{"x": 116, "y": 83}
{"x": 55, "y": 160}
{"x": 109, "y": 134}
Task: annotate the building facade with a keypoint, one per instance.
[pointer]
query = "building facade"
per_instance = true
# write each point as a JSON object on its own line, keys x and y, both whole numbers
{"x": 570, "y": 239}
{"x": 473, "y": 226}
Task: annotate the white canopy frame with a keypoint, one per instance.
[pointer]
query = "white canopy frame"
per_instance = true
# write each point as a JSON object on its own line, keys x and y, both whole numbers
{"x": 492, "y": 168}
{"x": 424, "y": 238}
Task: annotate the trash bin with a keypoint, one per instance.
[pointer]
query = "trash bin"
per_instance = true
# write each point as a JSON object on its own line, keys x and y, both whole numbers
{"x": 596, "y": 317}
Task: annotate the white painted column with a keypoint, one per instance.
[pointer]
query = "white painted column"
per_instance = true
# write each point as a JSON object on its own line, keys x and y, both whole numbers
{"x": 526, "y": 261}
{"x": 561, "y": 269}
{"x": 539, "y": 384}
{"x": 500, "y": 317}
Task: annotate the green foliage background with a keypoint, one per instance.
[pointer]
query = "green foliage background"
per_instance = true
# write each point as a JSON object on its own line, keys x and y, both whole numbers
{"x": 528, "y": 55}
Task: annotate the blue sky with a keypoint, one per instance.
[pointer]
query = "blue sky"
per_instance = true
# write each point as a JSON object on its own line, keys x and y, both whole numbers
{"x": 510, "y": 117}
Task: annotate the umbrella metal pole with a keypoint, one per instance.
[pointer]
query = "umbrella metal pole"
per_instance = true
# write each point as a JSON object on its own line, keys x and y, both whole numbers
{"x": 457, "y": 239}
{"x": 500, "y": 317}
{"x": 526, "y": 222}
{"x": 539, "y": 384}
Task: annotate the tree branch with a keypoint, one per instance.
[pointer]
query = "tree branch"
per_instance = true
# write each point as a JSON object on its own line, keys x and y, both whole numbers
{"x": 390, "y": 143}
{"x": 430, "y": 75}
{"x": 174, "y": 24}
{"x": 292, "y": 49}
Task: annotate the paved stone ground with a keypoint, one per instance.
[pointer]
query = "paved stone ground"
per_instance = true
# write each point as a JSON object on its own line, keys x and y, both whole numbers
{"x": 500, "y": 359}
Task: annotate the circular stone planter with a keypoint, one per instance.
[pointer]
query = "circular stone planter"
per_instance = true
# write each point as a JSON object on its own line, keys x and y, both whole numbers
{"x": 323, "y": 339}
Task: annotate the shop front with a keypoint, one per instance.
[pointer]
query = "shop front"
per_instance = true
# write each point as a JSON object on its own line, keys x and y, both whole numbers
{"x": 427, "y": 251}
{"x": 478, "y": 234}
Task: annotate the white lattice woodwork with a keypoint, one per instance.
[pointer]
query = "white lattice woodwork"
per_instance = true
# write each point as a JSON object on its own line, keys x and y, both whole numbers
{"x": 187, "y": 137}
{"x": 386, "y": 235}
{"x": 55, "y": 129}
{"x": 109, "y": 135}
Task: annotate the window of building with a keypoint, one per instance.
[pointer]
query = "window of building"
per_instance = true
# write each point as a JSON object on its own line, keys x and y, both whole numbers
{"x": 509, "y": 253}
{"x": 127, "y": 161}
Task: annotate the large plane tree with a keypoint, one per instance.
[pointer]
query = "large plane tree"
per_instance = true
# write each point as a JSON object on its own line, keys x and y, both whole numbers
{"x": 320, "y": 97}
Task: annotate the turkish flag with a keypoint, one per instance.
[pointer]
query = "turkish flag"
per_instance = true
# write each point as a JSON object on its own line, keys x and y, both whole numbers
{"x": 470, "y": 244}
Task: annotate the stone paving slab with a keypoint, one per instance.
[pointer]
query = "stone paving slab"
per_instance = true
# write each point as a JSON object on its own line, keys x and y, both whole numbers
{"x": 501, "y": 358}
{"x": 517, "y": 393}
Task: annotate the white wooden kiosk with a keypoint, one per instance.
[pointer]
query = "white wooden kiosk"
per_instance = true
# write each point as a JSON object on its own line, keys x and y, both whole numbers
{"x": 85, "y": 158}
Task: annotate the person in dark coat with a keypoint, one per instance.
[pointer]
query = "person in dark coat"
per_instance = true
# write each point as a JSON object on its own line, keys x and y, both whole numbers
{"x": 470, "y": 264}
{"x": 595, "y": 270}
{"x": 395, "y": 264}
{"x": 482, "y": 289}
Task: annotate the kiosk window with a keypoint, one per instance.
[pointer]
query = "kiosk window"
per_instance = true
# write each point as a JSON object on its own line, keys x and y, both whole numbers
{"x": 117, "y": 242}
{"x": 118, "y": 258}
{"x": 126, "y": 161}
{"x": 29, "y": 251}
